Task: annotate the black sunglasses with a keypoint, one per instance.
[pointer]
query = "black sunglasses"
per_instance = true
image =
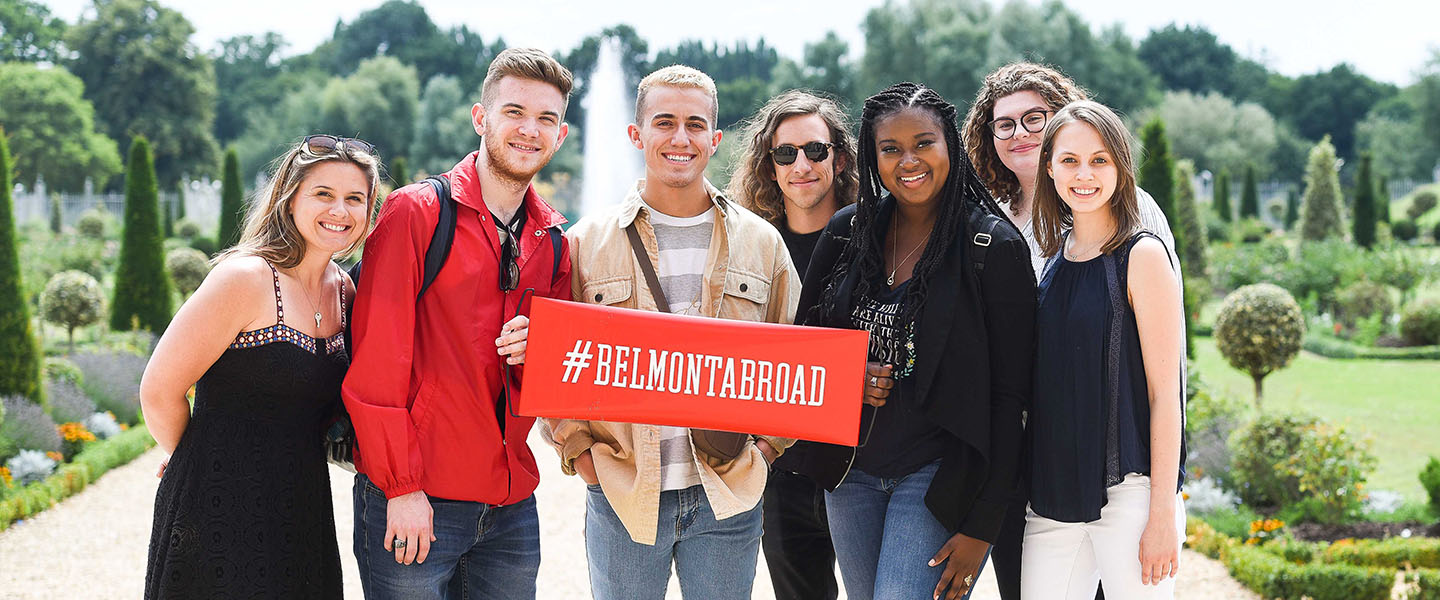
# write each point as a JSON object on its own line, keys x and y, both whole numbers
{"x": 324, "y": 144}
{"x": 785, "y": 154}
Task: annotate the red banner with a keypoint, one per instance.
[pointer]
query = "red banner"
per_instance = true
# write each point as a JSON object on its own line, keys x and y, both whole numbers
{"x": 598, "y": 363}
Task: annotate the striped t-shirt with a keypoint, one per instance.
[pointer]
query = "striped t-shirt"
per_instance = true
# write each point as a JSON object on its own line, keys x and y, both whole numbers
{"x": 684, "y": 243}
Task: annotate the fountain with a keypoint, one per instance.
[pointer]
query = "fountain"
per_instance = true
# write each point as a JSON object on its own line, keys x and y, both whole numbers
{"x": 611, "y": 164}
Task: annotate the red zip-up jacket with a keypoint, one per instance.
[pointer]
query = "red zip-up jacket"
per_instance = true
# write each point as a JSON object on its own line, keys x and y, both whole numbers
{"x": 424, "y": 379}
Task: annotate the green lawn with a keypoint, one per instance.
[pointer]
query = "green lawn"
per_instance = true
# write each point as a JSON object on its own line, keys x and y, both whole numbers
{"x": 1396, "y": 403}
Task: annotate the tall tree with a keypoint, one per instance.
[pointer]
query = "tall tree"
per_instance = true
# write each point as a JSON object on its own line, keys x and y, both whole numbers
{"x": 1332, "y": 103}
{"x": 443, "y": 131}
{"x": 399, "y": 172}
{"x": 249, "y": 70}
{"x": 1320, "y": 218}
{"x": 1191, "y": 224}
{"x": 1214, "y": 131}
{"x": 146, "y": 78}
{"x": 19, "y": 349}
{"x": 52, "y": 128}
{"x": 1157, "y": 174}
{"x": 1382, "y": 199}
{"x": 232, "y": 201}
{"x": 1250, "y": 195}
{"x": 1363, "y": 226}
{"x": 28, "y": 33}
{"x": 1221, "y": 202}
{"x": 142, "y": 290}
{"x": 378, "y": 103}
{"x": 1292, "y": 208}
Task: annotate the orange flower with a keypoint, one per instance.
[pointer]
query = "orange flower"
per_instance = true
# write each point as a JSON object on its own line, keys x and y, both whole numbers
{"x": 75, "y": 432}
{"x": 5, "y": 476}
{"x": 55, "y": 456}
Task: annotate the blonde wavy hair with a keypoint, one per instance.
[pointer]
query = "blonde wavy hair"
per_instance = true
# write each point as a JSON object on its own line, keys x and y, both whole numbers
{"x": 753, "y": 183}
{"x": 1057, "y": 90}
{"x": 270, "y": 232}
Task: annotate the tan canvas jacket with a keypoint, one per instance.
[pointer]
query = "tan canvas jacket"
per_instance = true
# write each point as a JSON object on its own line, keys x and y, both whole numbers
{"x": 748, "y": 277}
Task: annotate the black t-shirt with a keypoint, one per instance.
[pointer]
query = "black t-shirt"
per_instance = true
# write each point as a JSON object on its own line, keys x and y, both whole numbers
{"x": 900, "y": 438}
{"x": 801, "y": 246}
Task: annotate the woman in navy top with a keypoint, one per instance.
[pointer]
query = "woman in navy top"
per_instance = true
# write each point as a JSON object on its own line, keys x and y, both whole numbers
{"x": 1105, "y": 426}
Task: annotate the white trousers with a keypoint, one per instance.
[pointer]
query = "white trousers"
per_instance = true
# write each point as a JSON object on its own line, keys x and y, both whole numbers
{"x": 1067, "y": 560}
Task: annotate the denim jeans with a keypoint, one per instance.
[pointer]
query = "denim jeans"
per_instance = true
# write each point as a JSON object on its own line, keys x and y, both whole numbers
{"x": 885, "y": 536}
{"x": 715, "y": 560}
{"x": 480, "y": 550}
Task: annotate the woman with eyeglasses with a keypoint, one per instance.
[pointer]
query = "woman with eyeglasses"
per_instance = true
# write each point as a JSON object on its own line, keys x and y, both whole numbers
{"x": 925, "y": 264}
{"x": 244, "y": 500}
{"x": 1003, "y": 131}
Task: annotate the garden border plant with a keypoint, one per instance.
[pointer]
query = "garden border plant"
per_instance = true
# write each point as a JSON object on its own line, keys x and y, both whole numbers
{"x": 69, "y": 479}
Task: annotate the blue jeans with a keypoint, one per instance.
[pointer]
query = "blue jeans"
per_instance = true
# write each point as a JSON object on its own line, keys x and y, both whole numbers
{"x": 480, "y": 550}
{"x": 713, "y": 559}
{"x": 885, "y": 537}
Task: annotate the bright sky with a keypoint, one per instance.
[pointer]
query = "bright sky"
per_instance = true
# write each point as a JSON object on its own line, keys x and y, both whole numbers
{"x": 1385, "y": 39}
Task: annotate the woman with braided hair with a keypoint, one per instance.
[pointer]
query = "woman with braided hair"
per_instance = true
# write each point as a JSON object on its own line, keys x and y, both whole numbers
{"x": 925, "y": 264}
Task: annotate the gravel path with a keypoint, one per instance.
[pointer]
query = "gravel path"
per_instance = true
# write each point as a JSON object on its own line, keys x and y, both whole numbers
{"x": 94, "y": 544}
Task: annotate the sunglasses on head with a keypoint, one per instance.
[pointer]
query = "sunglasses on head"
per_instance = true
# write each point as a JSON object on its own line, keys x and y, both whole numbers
{"x": 325, "y": 144}
{"x": 785, "y": 154}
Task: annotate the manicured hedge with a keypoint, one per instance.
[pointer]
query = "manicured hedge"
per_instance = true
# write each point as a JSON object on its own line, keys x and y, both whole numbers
{"x": 1273, "y": 577}
{"x": 1427, "y": 584}
{"x": 84, "y": 469}
{"x": 1336, "y": 348}
{"x": 1269, "y": 571}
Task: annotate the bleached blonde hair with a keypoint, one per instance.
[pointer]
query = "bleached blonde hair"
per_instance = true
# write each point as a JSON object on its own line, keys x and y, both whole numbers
{"x": 677, "y": 76}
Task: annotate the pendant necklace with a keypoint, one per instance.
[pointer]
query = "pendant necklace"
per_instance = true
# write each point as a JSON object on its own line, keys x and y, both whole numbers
{"x": 895, "y": 239}
{"x": 313, "y": 305}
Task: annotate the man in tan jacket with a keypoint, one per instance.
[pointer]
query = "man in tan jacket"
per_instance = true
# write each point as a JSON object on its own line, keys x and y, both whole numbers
{"x": 654, "y": 498}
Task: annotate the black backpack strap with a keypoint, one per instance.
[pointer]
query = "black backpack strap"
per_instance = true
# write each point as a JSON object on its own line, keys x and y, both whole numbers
{"x": 444, "y": 237}
{"x": 557, "y": 240}
{"x": 982, "y": 241}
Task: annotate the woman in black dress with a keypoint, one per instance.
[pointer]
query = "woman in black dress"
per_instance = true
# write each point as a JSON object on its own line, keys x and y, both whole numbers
{"x": 243, "y": 508}
{"x": 924, "y": 263}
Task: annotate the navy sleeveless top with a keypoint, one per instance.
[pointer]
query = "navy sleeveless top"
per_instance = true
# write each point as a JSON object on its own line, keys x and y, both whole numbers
{"x": 1090, "y": 422}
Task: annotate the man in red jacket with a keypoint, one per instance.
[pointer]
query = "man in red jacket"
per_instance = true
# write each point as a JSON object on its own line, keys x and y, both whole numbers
{"x": 444, "y": 504}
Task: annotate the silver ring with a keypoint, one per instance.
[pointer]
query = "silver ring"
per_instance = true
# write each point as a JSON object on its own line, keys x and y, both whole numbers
{"x": 969, "y": 580}
{"x": 399, "y": 543}
{"x": 874, "y": 381}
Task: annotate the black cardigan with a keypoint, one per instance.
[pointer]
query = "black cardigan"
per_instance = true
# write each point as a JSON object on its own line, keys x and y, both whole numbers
{"x": 974, "y": 348}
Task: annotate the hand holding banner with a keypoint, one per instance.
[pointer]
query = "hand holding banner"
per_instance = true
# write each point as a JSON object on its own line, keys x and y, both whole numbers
{"x": 599, "y": 363}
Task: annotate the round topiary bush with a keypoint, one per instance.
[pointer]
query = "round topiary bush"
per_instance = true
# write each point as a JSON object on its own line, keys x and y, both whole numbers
{"x": 1258, "y": 330}
{"x": 187, "y": 229}
{"x": 1251, "y": 230}
{"x": 205, "y": 245}
{"x": 1435, "y": 234}
{"x": 1362, "y": 299}
{"x": 1302, "y": 463}
{"x": 72, "y": 299}
{"x": 1404, "y": 230}
{"x": 63, "y": 369}
{"x": 1422, "y": 203}
{"x": 188, "y": 267}
{"x": 91, "y": 224}
{"x": 1420, "y": 323}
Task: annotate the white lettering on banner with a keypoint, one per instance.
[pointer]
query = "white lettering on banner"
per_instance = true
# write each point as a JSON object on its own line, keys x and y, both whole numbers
{"x": 671, "y": 372}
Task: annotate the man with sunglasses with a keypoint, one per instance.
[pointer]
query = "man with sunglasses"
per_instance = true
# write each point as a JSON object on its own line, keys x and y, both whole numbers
{"x": 656, "y": 498}
{"x": 797, "y": 170}
{"x": 444, "y": 504}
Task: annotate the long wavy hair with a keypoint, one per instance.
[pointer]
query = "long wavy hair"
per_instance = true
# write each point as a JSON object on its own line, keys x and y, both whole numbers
{"x": 753, "y": 182}
{"x": 1057, "y": 90}
{"x": 1052, "y": 215}
{"x": 961, "y": 192}
{"x": 270, "y": 230}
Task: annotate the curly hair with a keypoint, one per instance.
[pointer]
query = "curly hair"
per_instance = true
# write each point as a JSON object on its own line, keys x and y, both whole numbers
{"x": 753, "y": 182}
{"x": 1057, "y": 90}
{"x": 961, "y": 192}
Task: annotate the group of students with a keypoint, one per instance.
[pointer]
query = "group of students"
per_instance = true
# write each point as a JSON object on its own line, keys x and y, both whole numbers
{"x": 1004, "y": 420}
